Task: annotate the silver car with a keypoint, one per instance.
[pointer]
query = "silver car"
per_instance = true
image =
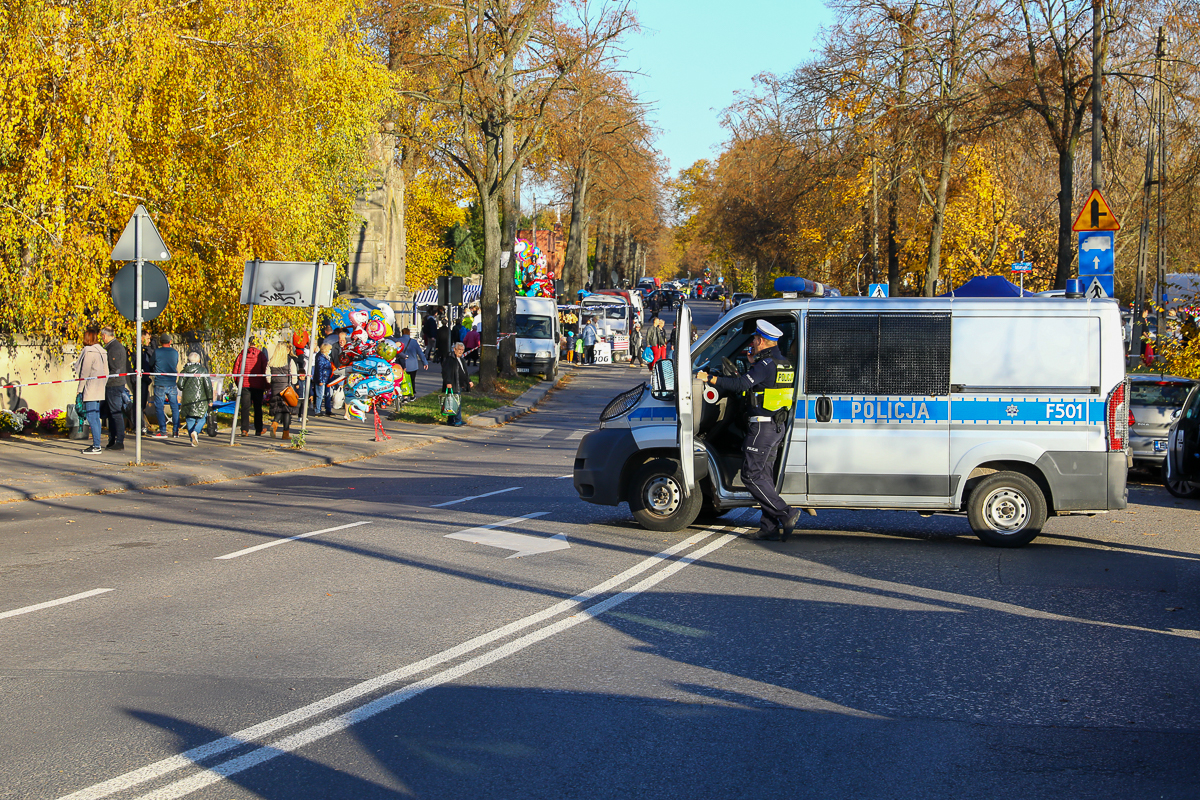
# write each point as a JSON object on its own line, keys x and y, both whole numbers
{"x": 1154, "y": 401}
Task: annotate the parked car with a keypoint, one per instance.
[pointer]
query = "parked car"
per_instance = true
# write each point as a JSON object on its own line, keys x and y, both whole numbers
{"x": 1153, "y": 401}
{"x": 741, "y": 297}
{"x": 1181, "y": 467}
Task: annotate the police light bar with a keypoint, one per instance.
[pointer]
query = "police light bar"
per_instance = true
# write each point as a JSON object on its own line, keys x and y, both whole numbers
{"x": 792, "y": 286}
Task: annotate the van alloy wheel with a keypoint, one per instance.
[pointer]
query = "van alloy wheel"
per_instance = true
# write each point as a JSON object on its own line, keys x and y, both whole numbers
{"x": 1005, "y": 511}
{"x": 663, "y": 495}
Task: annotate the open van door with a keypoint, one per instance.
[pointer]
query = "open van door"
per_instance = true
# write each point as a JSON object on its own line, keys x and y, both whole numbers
{"x": 683, "y": 397}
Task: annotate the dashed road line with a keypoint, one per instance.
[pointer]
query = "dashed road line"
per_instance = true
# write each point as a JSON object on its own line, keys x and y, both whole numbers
{"x": 274, "y": 542}
{"x": 16, "y": 612}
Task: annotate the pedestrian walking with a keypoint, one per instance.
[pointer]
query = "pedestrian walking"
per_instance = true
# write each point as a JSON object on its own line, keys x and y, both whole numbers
{"x": 196, "y": 397}
{"x": 281, "y": 375}
{"x": 429, "y": 329}
{"x": 147, "y": 380}
{"x": 92, "y": 363}
{"x": 410, "y": 356}
{"x": 455, "y": 379}
{"x": 253, "y": 385}
{"x": 589, "y": 341}
{"x": 635, "y": 345}
{"x": 656, "y": 339}
{"x": 322, "y": 375}
{"x": 471, "y": 341}
{"x": 166, "y": 386}
{"x": 768, "y": 387}
{"x": 114, "y": 406}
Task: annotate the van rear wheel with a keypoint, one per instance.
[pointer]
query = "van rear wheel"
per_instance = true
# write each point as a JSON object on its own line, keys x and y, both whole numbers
{"x": 657, "y": 500}
{"x": 1006, "y": 509}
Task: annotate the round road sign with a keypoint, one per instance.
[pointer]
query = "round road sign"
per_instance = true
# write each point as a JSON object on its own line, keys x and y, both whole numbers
{"x": 156, "y": 292}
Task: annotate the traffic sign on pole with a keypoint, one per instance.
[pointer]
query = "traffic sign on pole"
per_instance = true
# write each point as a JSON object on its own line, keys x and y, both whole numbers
{"x": 878, "y": 290}
{"x": 1100, "y": 288}
{"x": 1096, "y": 215}
{"x": 1096, "y": 253}
{"x": 153, "y": 247}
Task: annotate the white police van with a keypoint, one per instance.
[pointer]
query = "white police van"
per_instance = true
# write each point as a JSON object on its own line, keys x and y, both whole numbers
{"x": 1008, "y": 410}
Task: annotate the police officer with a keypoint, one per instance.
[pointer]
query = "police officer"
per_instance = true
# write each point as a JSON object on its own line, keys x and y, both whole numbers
{"x": 769, "y": 386}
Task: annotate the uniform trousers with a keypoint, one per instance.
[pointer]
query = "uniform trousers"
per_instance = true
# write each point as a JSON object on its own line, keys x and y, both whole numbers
{"x": 758, "y": 473}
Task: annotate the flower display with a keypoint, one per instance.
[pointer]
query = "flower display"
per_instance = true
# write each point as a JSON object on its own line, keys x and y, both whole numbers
{"x": 11, "y": 422}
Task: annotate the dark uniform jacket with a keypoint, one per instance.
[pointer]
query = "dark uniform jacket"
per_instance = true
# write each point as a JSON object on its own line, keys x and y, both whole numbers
{"x": 760, "y": 374}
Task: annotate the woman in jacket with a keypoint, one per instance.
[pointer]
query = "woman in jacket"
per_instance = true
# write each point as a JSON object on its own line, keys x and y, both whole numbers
{"x": 410, "y": 356}
{"x": 197, "y": 396}
{"x": 92, "y": 363}
{"x": 454, "y": 378}
{"x": 281, "y": 373}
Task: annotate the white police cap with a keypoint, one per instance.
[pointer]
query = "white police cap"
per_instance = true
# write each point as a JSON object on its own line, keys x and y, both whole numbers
{"x": 768, "y": 331}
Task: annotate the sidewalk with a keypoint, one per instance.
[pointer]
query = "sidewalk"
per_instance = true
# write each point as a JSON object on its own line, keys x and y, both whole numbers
{"x": 33, "y": 468}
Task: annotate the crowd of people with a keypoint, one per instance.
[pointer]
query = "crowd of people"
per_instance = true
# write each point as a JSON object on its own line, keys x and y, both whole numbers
{"x": 180, "y": 394}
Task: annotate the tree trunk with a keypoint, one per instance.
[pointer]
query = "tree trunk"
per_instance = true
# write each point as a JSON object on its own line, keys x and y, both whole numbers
{"x": 933, "y": 261}
{"x": 576, "y": 257}
{"x": 623, "y": 270}
{"x": 905, "y": 24}
{"x": 511, "y": 211}
{"x": 489, "y": 191}
{"x": 1066, "y": 192}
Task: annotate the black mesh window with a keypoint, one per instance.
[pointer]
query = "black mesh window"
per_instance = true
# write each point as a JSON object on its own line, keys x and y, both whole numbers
{"x": 886, "y": 354}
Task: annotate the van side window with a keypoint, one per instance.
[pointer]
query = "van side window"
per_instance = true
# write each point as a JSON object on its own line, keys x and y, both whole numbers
{"x": 880, "y": 354}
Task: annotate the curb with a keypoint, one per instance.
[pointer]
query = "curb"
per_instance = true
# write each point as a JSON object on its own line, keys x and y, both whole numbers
{"x": 522, "y": 405}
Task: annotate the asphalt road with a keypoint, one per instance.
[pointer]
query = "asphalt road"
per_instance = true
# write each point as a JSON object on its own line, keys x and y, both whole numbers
{"x": 403, "y": 652}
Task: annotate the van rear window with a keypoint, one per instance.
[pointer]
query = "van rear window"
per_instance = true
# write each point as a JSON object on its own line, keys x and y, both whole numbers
{"x": 885, "y": 354}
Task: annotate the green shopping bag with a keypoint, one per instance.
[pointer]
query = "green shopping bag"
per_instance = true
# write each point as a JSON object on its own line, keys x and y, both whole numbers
{"x": 450, "y": 404}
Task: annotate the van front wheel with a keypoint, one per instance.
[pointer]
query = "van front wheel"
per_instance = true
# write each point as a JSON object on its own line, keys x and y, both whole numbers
{"x": 657, "y": 500}
{"x": 1006, "y": 509}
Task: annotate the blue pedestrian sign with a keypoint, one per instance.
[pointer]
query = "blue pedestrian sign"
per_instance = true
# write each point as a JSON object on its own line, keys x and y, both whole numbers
{"x": 878, "y": 290}
{"x": 1096, "y": 253}
{"x": 1099, "y": 287}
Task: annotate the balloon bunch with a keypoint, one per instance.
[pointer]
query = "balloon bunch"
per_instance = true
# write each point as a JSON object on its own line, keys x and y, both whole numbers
{"x": 531, "y": 273}
{"x": 372, "y": 379}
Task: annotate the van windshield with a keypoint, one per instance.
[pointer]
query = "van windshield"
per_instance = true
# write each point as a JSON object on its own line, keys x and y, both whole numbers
{"x": 531, "y": 326}
{"x": 611, "y": 310}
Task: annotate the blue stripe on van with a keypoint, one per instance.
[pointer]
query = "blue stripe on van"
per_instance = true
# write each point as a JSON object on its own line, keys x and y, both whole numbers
{"x": 978, "y": 410}
{"x": 655, "y": 413}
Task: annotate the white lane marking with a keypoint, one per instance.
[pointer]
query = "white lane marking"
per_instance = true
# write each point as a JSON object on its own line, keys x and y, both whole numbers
{"x": 274, "y": 542}
{"x": 475, "y": 497}
{"x": 563, "y": 477}
{"x": 531, "y": 433}
{"x": 578, "y": 435}
{"x": 239, "y": 739}
{"x": 51, "y": 603}
{"x": 523, "y": 544}
{"x": 341, "y": 722}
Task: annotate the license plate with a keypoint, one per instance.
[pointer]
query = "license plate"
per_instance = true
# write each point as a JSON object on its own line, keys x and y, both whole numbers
{"x": 526, "y": 369}
{"x": 1160, "y": 445}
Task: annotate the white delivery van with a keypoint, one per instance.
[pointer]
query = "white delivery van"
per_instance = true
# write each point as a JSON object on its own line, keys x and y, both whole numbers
{"x": 537, "y": 336}
{"x": 1009, "y": 410}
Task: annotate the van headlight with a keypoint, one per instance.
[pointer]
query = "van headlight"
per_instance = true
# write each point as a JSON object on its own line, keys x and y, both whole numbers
{"x": 544, "y": 354}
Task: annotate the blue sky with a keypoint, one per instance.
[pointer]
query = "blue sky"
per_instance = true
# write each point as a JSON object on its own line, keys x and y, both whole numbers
{"x": 695, "y": 54}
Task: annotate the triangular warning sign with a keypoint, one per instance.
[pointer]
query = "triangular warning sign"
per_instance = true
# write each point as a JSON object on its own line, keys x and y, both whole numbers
{"x": 1096, "y": 215}
{"x": 878, "y": 292}
{"x": 153, "y": 247}
{"x": 1096, "y": 290}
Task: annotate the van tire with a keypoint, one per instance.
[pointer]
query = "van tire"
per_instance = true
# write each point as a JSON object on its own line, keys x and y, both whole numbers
{"x": 1006, "y": 509}
{"x": 657, "y": 500}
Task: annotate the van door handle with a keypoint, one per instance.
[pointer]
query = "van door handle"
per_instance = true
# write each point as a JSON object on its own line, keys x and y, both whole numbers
{"x": 824, "y": 409}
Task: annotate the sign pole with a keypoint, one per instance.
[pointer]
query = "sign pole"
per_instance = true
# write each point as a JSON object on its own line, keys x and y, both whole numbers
{"x": 140, "y": 404}
{"x": 312, "y": 346}
{"x": 237, "y": 401}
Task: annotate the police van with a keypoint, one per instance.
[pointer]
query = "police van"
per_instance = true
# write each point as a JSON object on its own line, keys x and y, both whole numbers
{"x": 1010, "y": 410}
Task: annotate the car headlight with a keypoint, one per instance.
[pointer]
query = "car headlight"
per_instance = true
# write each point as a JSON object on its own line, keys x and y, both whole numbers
{"x": 543, "y": 354}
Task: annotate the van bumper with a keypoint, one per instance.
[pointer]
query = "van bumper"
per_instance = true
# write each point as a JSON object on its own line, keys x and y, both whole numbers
{"x": 1086, "y": 481}
{"x": 530, "y": 364}
{"x": 600, "y": 462}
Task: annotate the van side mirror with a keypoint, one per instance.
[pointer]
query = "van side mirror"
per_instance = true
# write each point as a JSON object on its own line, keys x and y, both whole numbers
{"x": 824, "y": 409}
{"x": 1175, "y": 414}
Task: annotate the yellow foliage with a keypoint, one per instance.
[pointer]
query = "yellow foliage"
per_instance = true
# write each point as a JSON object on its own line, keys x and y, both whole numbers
{"x": 430, "y": 209}
{"x": 238, "y": 125}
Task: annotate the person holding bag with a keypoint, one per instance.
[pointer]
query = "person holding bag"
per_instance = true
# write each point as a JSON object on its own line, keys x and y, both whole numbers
{"x": 92, "y": 363}
{"x": 282, "y": 375}
{"x": 455, "y": 382}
